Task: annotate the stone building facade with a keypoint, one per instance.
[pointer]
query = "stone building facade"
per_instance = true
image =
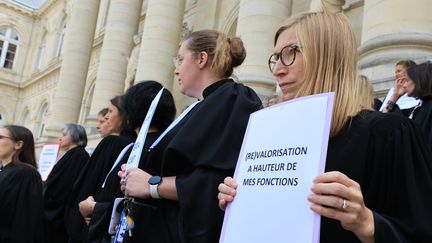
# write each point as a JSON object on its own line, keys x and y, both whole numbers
{"x": 62, "y": 62}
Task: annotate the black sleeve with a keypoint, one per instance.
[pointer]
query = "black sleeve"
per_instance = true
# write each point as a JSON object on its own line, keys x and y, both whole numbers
{"x": 400, "y": 186}
{"x": 27, "y": 222}
{"x": 100, "y": 221}
{"x": 212, "y": 144}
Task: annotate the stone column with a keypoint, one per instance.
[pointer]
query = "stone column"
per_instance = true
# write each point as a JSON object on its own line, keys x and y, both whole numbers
{"x": 391, "y": 34}
{"x": 78, "y": 43}
{"x": 257, "y": 23}
{"x": 122, "y": 25}
{"x": 333, "y": 6}
{"x": 160, "y": 41}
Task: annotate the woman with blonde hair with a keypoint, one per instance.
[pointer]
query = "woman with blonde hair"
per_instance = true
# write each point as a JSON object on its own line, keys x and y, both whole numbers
{"x": 378, "y": 178}
{"x": 368, "y": 93}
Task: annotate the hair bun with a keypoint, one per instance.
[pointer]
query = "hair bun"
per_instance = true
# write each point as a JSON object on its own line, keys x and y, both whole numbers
{"x": 238, "y": 51}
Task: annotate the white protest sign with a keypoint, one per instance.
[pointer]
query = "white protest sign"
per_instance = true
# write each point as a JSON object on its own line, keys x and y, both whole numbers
{"x": 47, "y": 159}
{"x": 284, "y": 148}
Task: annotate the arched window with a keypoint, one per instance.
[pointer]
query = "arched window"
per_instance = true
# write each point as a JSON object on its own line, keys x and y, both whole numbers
{"x": 26, "y": 118}
{"x": 41, "y": 53}
{"x": 8, "y": 47}
{"x": 60, "y": 40}
{"x": 85, "y": 110}
{"x": 42, "y": 118}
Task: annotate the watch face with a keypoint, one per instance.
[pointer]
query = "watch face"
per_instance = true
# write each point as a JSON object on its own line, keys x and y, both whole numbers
{"x": 154, "y": 180}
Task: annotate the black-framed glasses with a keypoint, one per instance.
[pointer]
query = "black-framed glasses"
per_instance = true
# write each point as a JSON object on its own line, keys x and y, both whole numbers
{"x": 287, "y": 56}
{"x": 3, "y": 137}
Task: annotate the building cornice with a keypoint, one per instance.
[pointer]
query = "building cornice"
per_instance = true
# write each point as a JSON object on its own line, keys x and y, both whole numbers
{"x": 54, "y": 65}
{"x": 418, "y": 40}
{"x": 9, "y": 83}
{"x": 45, "y": 7}
{"x": 17, "y": 7}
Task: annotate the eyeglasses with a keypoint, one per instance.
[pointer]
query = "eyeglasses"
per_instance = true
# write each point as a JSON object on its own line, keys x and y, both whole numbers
{"x": 287, "y": 56}
{"x": 3, "y": 137}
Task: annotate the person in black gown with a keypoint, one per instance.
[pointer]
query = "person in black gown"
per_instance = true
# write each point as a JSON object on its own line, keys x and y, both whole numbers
{"x": 398, "y": 89}
{"x": 58, "y": 185}
{"x": 21, "y": 203}
{"x": 101, "y": 123}
{"x": 378, "y": 178}
{"x": 135, "y": 104}
{"x": 419, "y": 85}
{"x": 99, "y": 164}
{"x": 194, "y": 156}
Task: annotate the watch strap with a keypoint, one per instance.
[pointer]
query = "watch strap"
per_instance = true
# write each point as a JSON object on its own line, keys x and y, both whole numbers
{"x": 154, "y": 191}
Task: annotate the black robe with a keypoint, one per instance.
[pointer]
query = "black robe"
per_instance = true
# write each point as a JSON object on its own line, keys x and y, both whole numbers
{"x": 58, "y": 188}
{"x": 200, "y": 151}
{"x": 21, "y": 204}
{"x": 422, "y": 116}
{"x": 104, "y": 197}
{"x": 386, "y": 154}
{"x": 90, "y": 179}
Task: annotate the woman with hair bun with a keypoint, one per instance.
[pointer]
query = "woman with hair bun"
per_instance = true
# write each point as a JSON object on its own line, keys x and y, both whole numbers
{"x": 185, "y": 166}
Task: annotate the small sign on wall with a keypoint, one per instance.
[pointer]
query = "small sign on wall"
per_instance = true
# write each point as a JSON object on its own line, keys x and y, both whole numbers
{"x": 47, "y": 159}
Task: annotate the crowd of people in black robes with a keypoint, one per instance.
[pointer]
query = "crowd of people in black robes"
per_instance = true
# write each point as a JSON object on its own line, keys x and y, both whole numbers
{"x": 378, "y": 177}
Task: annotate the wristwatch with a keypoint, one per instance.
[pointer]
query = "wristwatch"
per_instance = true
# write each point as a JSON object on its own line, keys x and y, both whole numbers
{"x": 154, "y": 182}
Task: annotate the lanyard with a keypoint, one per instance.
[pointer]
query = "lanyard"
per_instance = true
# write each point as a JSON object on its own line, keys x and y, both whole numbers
{"x": 135, "y": 155}
{"x": 119, "y": 158}
{"x": 173, "y": 124}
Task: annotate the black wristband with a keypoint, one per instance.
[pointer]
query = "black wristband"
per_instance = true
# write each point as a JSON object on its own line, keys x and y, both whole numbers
{"x": 390, "y": 105}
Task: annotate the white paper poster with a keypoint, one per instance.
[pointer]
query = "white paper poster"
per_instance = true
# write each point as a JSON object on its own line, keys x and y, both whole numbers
{"x": 284, "y": 148}
{"x": 47, "y": 159}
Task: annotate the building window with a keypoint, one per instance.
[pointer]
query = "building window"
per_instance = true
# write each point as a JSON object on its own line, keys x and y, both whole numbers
{"x": 26, "y": 118}
{"x": 42, "y": 118}
{"x": 60, "y": 40}
{"x": 8, "y": 47}
{"x": 41, "y": 54}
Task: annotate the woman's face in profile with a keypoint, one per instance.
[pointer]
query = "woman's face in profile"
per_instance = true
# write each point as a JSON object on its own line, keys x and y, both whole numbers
{"x": 290, "y": 78}
{"x": 400, "y": 72}
{"x": 113, "y": 119}
{"x": 65, "y": 140}
{"x": 188, "y": 71}
{"x": 7, "y": 145}
{"x": 409, "y": 86}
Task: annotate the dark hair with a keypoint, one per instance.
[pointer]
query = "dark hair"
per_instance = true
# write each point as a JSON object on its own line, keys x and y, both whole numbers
{"x": 103, "y": 112}
{"x": 421, "y": 75}
{"x": 26, "y": 154}
{"x": 77, "y": 133}
{"x": 124, "y": 128}
{"x": 406, "y": 63}
{"x": 137, "y": 100}
{"x": 224, "y": 53}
